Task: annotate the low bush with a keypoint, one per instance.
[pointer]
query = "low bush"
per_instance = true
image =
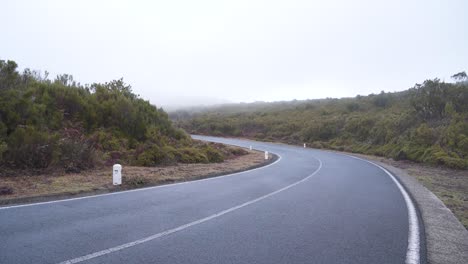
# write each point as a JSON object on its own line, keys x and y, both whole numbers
{"x": 155, "y": 155}
{"x": 192, "y": 155}
{"x": 402, "y": 125}
{"x": 61, "y": 124}
{"x": 5, "y": 190}
{"x": 213, "y": 154}
{"x": 29, "y": 148}
{"x": 237, "y": 151}
{"x": 75, "y": 154}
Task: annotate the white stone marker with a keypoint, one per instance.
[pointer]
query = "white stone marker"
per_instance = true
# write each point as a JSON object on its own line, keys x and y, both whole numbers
{"x": 304, "y": 145}
{"x": 117, "y": 174}
{"x": 266, "y": 155}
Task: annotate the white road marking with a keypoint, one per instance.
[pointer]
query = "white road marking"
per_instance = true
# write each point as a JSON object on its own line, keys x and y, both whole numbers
{"x": 140, "y": 189}
{"x": 182, "y": 227}
{"x": 412, "y": 252}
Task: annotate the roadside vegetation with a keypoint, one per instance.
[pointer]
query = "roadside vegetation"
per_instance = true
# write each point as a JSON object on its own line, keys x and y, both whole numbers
{"x": 55, "y": 185}
{"x": 61, "y": 125}
{"x": 427, "y": 123}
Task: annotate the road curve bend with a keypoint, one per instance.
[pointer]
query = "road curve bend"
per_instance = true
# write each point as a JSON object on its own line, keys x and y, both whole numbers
{"x": 310, "y": 206}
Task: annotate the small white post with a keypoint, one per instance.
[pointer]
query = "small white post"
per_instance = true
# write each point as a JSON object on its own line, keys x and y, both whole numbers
{"x": 266, "y": 155}
{"x": 250, "y": 147}
{"x": 117, "y": 174}
{"x": 304, "y": 145}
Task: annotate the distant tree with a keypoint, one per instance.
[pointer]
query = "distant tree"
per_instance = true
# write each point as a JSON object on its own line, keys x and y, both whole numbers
{"x": 429, "y": 99}
{"x": 460, "y": 77}
{"x": 353, "y": 106}
{"x": 65, "y": 80}
{"x": 8, "y": 74}
{"x": 382, "y": 100}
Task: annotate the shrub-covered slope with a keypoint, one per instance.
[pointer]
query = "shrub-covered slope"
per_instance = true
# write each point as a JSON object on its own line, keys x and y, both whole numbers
{"x": 428, "y": 123}
{"x": 63, "y": 124}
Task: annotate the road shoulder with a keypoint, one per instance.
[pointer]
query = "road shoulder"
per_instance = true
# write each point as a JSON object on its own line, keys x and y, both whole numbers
{"x": 446, "y": 237}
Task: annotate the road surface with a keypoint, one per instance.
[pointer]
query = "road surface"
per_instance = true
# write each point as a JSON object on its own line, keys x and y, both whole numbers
{"x": 310, "y": 206}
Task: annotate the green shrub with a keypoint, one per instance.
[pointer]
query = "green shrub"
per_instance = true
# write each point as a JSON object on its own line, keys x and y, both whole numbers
{"x": 316, "y": 144}
{"x": 415, "y": 152}
{"x": 213, "y": 155}
{"x": 62, "y": 123}
{"x": 108, "y": 140}
{"x": 29, "y": 148}
{"x": 423, "y": 135}
{"x": 438, "y": 156}
{"x": 192, "y": 155}
{"x": 155, "y": 155}
{"x": 455, "y": 163}
{"x": 237, "y": 151}
{"x": 76, "y": 154}
{"x": 3, "y": 149}
{"x": 463, "y": 145}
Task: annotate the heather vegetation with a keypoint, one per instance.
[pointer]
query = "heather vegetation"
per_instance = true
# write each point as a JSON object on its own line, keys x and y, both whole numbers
{"x": 61, "y": 124}
{"x": 427, "y": 123}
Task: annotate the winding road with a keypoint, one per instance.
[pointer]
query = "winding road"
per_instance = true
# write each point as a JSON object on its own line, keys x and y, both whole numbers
{"x": 310, "y": 206}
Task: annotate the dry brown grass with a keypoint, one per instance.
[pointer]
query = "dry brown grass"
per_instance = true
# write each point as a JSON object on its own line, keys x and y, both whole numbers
{"x": 100, "y": 180}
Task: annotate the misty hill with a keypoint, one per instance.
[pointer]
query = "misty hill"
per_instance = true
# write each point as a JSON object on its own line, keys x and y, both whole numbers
{"x": 48, "y": 124}
{"x": 427, "y": 123}
{"x": 186, "y": 102}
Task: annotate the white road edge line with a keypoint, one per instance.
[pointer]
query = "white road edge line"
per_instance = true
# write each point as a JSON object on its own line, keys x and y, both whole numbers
{"x": 140, "y": 189}
{"x": 182, "y": 227}
{"x": 412, "y": 252}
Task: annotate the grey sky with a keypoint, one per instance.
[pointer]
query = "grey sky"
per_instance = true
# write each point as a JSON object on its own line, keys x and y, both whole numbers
{"x": 211, "y": 51}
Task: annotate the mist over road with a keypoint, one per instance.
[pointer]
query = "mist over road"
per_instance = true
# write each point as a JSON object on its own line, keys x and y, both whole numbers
{"x": 310, "y": 206}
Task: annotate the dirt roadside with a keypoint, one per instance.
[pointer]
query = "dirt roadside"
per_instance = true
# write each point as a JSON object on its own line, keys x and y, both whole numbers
{"x": 40, "y": 188}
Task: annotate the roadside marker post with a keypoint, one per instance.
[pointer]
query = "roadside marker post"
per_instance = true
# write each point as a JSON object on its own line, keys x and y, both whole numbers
{"x": 304, "y": 145}
{"x": 266, "y": 155}
{"x": 117, "y": 174}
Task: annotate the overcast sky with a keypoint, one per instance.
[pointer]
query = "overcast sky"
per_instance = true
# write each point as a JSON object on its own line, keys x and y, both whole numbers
{"x": 214, "y": 51}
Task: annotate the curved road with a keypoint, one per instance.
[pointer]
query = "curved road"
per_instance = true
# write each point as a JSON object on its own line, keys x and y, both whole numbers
{"x": 310, "y": 206}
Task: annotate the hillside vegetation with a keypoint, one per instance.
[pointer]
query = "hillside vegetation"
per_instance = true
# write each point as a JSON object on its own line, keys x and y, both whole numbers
{"x": 427, "y": 123}
{"x": 62, "y": 124}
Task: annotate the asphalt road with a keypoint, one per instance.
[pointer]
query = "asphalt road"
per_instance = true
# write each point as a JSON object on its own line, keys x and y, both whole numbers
{"x": 310, "y": 206}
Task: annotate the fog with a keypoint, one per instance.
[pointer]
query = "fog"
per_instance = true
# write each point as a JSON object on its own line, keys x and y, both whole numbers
{"x": 184, "y": 53}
